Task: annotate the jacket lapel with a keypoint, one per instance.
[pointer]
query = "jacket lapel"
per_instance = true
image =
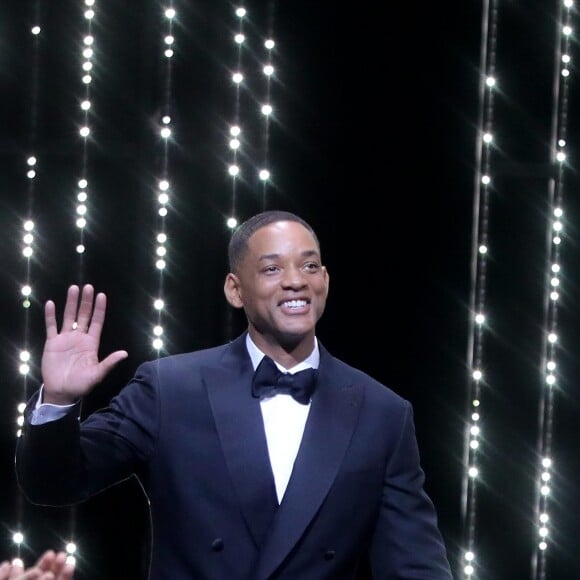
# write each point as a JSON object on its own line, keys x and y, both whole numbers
{"x": 240, "y": 427}
{"x": 331, "y": 422}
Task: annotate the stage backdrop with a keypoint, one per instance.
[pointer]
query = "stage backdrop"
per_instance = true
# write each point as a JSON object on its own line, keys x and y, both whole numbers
{"x": 121, "y": 165}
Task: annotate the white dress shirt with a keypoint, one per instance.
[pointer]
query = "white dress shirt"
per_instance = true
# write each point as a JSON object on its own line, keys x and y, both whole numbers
{"x": 284, "y": 420}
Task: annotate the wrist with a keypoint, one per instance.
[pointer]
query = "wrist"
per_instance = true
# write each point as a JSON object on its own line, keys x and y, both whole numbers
{"x": 61, "y": 401}
{"x": 46, "y": 397}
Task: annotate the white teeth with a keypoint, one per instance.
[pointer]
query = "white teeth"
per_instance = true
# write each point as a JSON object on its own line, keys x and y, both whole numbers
{"x": 295, "y": 303}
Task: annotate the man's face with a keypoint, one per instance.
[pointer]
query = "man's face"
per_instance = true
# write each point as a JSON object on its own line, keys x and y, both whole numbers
{"x": 281, "y": 284}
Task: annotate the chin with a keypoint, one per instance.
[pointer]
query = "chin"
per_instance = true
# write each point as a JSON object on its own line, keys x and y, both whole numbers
{"x": 295, "y": 336}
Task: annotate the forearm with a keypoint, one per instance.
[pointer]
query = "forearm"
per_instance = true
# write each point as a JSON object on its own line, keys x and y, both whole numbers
{"x": 66, "y": 460}
{"x": 49, "y": 464}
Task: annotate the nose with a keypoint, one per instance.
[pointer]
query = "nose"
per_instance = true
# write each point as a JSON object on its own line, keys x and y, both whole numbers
{"x": 293, "y": 278}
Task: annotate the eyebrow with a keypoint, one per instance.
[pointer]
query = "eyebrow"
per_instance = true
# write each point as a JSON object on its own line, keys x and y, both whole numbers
{"x": 305, "y": 254}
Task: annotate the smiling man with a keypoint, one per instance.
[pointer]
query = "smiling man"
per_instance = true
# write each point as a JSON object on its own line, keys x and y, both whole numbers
{"x": 263, "y": 458}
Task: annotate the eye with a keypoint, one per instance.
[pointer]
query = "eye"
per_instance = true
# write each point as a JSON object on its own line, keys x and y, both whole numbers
{"x": 311, "y": 266}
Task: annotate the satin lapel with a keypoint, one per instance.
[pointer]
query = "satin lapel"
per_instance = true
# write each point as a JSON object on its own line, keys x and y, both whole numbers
{"x": 331, "y": 422}
{"x": 240, "y": 427}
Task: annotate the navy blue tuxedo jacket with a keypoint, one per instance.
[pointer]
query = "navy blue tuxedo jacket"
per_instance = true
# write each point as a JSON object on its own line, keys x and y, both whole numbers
{"x": 189, "y": 429}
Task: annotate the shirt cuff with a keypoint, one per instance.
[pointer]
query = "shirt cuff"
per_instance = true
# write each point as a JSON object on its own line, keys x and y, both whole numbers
{"x": 46, "y": 412}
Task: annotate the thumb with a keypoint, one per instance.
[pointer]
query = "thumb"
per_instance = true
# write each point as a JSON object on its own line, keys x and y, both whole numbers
{"x": 107, "y": 364}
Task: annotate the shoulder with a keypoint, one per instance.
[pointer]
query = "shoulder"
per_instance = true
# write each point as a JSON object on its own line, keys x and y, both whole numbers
{"x": 183, "y": 362}
{"x": 375, "y": 391}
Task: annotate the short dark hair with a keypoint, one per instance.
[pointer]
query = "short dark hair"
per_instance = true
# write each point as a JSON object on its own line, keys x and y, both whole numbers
{"x": 239, "y": 241}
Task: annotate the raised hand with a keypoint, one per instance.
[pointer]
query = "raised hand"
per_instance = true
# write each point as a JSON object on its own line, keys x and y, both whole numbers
{"x": 70, "y": 361}
{"x": 50, "y": 566}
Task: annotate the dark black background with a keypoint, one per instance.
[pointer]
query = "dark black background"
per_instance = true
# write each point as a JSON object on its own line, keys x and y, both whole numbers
{"x": 373, "y": 142}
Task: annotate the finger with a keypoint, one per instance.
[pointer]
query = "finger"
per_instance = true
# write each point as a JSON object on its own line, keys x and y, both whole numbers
{"x": 96, "y": 327}
{"x": 67, "y": 572}
{"x": 50, "y": 320}
{"x": 16, "y": 570}
{"x": 58, "y": 564}
{"x": 32, "y": 574}
{"x": 18, "y": 573}
{"x": 86, "y": 308}
{"x": 46, "y": 561}
{"x": 4, "y": 570}
{"x": 59, "y": 560}
{"x": 70, "y": 308}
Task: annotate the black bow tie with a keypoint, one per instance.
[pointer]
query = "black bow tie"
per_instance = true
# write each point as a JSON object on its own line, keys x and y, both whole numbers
{"x": 269, "y": 381}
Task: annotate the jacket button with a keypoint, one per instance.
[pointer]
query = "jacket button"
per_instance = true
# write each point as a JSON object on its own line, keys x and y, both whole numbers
{"x": 217, "y": 545}
{"x": 329, "y": 554}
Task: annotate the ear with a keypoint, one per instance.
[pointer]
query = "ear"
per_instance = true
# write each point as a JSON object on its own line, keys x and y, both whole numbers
{"x": 232, "y": 291}
{"x": 326, "y": 279}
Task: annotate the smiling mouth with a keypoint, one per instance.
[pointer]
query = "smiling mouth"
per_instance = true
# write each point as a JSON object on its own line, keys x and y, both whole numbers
{"x": 295, "y": 303}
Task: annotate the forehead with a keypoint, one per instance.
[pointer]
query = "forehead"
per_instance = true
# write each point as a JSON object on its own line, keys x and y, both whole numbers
{"x": 282, "y": 237}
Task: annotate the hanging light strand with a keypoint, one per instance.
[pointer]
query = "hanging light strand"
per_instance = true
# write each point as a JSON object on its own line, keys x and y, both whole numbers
{"x": 552, "y": 277}
{"x": 264, "y": 173}
{"x": 477, "y": 310}
{"x": 25, "y": 357}
{"x": 86, "y": 106}
{"x": 235, "y": 136}
{"x": 164, "y": 191}
{"x": 87, "y": 53}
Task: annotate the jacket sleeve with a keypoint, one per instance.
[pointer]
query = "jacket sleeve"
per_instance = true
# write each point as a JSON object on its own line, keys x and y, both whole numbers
{"x": 66, "y": 461}
{"x": 45, "y": 449}
{"x": 407, "y": 543}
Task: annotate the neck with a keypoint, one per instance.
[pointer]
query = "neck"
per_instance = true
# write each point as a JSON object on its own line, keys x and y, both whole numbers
{"x": 287, "y": 355}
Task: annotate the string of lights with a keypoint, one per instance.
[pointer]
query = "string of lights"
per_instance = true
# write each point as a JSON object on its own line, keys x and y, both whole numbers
{"x": 235, "y": 128}
{"x": 550, "y": 343}
{"x": 81, "y": 210}
{"x": 267, "y": 110}
{"x": 234, "y": 132}
{"x": 237, "y": 131}
{"x": 477, "y": 300}
{"x": 26, "y": 360}
{"x": 165, "y": 129}
{"x": 82, "y": 195}
{"x": 87, "y": 48}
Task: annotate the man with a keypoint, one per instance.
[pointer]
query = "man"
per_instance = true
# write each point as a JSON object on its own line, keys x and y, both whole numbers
{"x": 244, "y": 482}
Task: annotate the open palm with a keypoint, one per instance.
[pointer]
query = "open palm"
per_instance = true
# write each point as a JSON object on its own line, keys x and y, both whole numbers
{"x": 70, "y": 361}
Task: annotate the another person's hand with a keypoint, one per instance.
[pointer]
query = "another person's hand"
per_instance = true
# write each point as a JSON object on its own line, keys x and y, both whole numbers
{"x": 50, "y": 566}
{"x": 70, "y": 361}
